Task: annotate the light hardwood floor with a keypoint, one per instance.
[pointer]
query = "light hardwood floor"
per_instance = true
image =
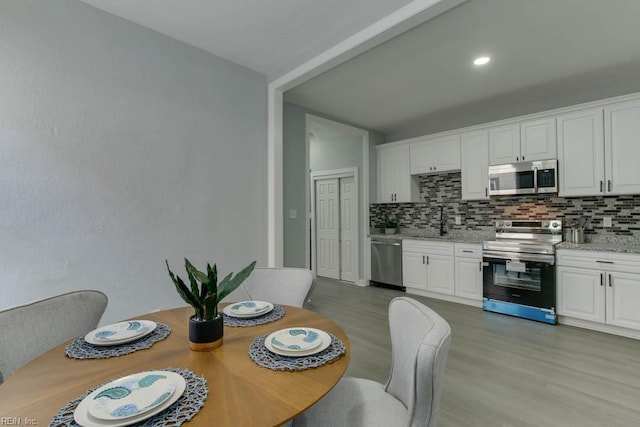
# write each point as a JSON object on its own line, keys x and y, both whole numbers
{"x": 501, "y": 370}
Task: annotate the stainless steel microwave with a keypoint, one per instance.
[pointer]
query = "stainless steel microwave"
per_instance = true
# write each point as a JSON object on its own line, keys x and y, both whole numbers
{"x": 524, "y": 178}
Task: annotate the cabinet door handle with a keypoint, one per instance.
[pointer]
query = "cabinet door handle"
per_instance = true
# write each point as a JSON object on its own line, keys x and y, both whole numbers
{"x": 467, "y": 251}
{"x": 604, "y": 262}
{"x": 601, "y": 186}
{"x": 523, "y": 158}
{"x": 609, "y": 279}
{"x": 423, "y": 261}
{"x": 608, "y": 185}
{"x": 486, "y": 192}
{"x": 434, "y": 168}
{"x": 601, "y": 279}
{"x": 427, "y": 260}
{"x": 480, "y": 265}
{"x": 517, "y": 159}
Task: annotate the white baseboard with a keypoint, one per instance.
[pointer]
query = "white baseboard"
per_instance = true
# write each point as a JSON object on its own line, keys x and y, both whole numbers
{"x": 600, "y": 327}
{"x": 451, "y": 298}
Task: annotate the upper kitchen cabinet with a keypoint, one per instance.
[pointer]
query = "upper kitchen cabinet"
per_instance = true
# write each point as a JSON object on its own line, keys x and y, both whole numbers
{"x": 598, "y": 150}
{"x": 581, "y": 153}
{"x": 395, "y": 184}
{"x": 474, "y": 159}
{"x": 525, "y": 141}
{"x": 622, "y": 147}
{"x": 435, "y": 155}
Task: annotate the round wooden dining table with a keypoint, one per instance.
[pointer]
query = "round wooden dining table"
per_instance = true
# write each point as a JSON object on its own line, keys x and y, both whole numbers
{"x": 241, "y": 393}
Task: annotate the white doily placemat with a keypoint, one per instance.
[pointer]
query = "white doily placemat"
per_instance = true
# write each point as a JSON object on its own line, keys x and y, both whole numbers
{"x": 183, "y": 410}
{"x": 80, "y": 349}
{"x": 277, "y": 313}
{"x": 265, "y": 358}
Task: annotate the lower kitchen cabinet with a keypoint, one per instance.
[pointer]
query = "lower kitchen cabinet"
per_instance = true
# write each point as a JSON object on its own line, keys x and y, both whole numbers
{"x": 580, "y": 293}
{"x": 443, "y": 270}
{"x": 414, "y": 271}
{"x": 468, "y": 271}
{"x": 428, "y": 266}
{"x": 599, "y": 287}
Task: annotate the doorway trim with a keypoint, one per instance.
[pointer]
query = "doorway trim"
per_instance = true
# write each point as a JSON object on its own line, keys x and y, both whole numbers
{"x": 403, "y": 19}
{"x": 363, "y": 189}
{"x": 328, "y": 174}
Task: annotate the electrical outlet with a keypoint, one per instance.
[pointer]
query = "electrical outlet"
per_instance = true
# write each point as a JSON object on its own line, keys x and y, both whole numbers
{"x": 458, "y": 220}
{"x": 606, "y": 221}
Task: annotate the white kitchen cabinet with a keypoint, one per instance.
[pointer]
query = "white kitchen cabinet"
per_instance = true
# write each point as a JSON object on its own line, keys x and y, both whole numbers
{"x": 581, "y": 153}
{"x": 468, "y": 271}
{"x": 428, "y": 266}
{"x": 598, "y": 150}
{"x": 414, "y": 272}
{"x": 395, "y": 184}
{"x": 504, "y": 144}
{"x": 435, "y": 155}
{"x": 538, "y": 139}
{"x": 580, "y": 293}
{"x": 599, "y": 287}
{"x": 474, "y": 162}
{"x": 525, "y": 141}
{"x": 622, "y": 147}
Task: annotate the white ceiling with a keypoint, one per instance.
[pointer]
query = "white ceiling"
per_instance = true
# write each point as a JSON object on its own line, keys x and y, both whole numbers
{"x": 260, "y": 34}
{"x": 534, "y": 45}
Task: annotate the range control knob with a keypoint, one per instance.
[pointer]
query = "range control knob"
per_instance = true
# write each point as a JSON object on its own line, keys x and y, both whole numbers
{"x": 554, "y": 224}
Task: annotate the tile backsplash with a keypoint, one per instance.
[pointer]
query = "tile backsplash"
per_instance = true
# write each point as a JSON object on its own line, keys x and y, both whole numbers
{"x": 445, "y": 190}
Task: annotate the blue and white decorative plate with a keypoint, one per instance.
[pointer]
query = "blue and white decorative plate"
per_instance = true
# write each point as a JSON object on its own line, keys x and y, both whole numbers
{"x": 132, "y": 395}
{"x": 120, "y": 333}
{"x": 295, "y": 340}
{"x": 247, "y": 309}
{"x": 110, "y": 405}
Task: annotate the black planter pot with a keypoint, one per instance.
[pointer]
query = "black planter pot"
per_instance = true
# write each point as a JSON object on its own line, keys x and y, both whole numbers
{"x": 206, "y": 335}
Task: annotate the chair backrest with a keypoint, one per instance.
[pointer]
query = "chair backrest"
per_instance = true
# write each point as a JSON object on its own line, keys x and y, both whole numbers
{"x": 289, "y": 286}
{"x": 29, "y": 330}
{"x": 420, "y": 341}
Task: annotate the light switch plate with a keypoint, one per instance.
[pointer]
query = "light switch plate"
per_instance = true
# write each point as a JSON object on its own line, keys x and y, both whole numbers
{"x": 458, "y": 220}
{"x": 606, "y": 221}
{"x": 293, "y": 213}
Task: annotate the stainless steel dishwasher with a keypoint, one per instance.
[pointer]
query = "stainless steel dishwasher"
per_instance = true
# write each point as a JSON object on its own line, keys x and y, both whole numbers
{"x": 386, "y": 262}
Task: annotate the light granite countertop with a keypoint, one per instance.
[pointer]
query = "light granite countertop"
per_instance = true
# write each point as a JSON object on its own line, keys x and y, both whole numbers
{"x": 630, "y": 247}
{"x": 453, "y": 236}
{"x": 620, "y": 244}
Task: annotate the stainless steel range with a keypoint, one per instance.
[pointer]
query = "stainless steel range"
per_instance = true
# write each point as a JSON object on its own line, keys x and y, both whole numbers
{"x": 519, "y": 275}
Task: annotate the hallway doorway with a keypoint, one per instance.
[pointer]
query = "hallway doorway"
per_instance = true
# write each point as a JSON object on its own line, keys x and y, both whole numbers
{"x": 335, "y": 228}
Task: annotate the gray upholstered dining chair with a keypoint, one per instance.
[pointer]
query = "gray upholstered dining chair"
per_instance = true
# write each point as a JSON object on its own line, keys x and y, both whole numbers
{"x": 26, "y": 331}
{"x": 289, "y": 286}
{"x": 420, "y": 341}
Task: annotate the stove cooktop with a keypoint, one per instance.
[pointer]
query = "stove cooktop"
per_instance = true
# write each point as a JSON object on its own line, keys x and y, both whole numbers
{"x": 538, "y": 237}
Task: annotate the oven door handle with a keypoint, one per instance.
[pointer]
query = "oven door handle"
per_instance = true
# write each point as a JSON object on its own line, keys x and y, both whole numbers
{"x": 516, "y": 256}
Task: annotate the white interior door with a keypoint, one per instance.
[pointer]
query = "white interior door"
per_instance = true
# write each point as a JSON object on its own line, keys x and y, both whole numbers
{"x": 348, "y": 229}
{"x": 328, "y": 227}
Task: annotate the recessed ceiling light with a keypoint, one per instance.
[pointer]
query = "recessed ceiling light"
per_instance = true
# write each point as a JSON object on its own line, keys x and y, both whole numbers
{"x": 481, "y": 60}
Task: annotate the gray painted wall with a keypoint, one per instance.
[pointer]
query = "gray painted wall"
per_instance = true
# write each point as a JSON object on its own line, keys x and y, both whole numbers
{"x": 295, "y": 175}
{"x": 336, "y": 153}
{"x": 568, "y": 92}
{"x": 120, "y": 148}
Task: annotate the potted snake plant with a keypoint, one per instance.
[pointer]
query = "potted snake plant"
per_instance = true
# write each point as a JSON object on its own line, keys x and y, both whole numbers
{"x": 204, "y": 293}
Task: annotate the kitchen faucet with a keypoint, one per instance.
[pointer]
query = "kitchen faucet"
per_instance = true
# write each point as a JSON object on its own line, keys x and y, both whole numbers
{"x": 442, "y": 222}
